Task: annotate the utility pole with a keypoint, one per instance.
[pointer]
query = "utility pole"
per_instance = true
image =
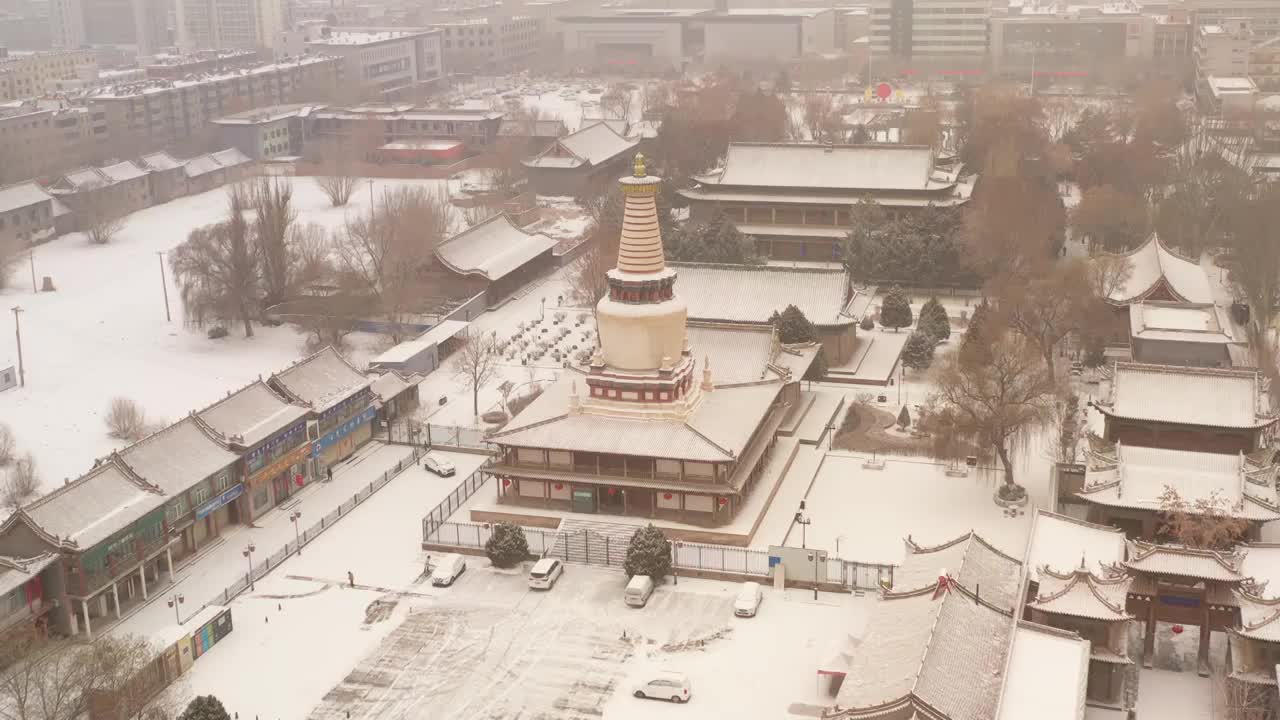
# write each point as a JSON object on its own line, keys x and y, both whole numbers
{"x": 17, "y": 328}
{"x": 31, "y": 257}
{"x": 164, "y": 287}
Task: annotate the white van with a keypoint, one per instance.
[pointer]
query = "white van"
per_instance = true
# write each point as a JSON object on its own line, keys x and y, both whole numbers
{"x": 639, "y": 588}
{"x": 448, "y": 570}
{"x": 665, "y": 685}
{"x": 544, "y": 573}
{"x": 748, "y": 600}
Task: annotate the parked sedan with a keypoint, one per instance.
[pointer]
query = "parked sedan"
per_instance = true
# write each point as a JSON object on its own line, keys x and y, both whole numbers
{"x": 665, "y": 685}
{"x": 439, "y": 466}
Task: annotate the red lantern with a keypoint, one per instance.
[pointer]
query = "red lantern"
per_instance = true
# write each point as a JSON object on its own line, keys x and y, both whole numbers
{"x": 666, "y": 496}
{"x": 559, "y": 486}
{"x": 613, "y": 491}
{"x": 724, "y": 501}
{"x": 506, "y": 483}
{"x": 298, "y": 479}
{"x": 1177, "y": 629}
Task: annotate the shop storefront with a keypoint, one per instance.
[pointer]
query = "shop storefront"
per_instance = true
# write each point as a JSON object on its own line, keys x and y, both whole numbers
{"x": 273, "y": 483}
{"x": 339, "y": 443}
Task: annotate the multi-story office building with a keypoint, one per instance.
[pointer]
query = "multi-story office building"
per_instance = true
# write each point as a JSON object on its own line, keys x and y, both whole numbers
{"x": 1060, "y": 38}
{"x": 141, "y": 24}
{"x": 1223, "y": 50}
{"x": 1263, "y": 14}
{"x": 1264, "y": 65}
{"x": 490, "y": 42}
{"x": 225, "y": 24}
{"x": 41, "y": 139}
{"x": 385, "y": 64}
{"x": 158, "y": 113}
{"x": 25, "y": 76}
{"x": 947, "y": 33}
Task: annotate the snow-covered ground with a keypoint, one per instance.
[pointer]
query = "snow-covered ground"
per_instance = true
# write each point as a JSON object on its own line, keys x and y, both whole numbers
{"x": 304, "y": 645}
{"x": 103, "y": 333}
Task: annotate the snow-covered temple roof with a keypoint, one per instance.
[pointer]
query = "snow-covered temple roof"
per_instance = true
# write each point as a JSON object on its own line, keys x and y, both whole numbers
{"x": 1209, "y": 397}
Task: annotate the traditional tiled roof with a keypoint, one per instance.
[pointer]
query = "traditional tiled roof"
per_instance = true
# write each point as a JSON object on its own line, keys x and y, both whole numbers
{"x": 1060, "y": 543}
{"x": 1207, "y": 397}
{"x": 1244, "y": 659}
{"x": 250, "y": 415}
{"x": 970, "y": 560}
{"x": 1137, "y": 477}
{"x": 592, "y": 145}
{"x": 838, "y": 167}
{"x": 492, "y": 249}
{"x": 933, "y": 649}
{"x": 1152, "y": 266}
{"x": 1164, "y": 559}
{"x": 1180, "y": 322}
{"x": 320, "y": 381}
{"x": 1030, "y": 691}
{"x": 390, "y": 384}
{"x": 1081, "y": 593}
{"x": 96, "y": 505}
{"x": 177, "y": 457}
{"x": 752, "y": 294}
{"x": 16, "y": 572}
{"x": 716, "y": 431}
{"x": 1259, "y": 619}
{"x": 1262, "y": 566}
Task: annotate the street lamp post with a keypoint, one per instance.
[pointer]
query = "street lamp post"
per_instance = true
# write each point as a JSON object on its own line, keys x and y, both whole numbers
{"x": 814, "y": 556}
{"x": 296, "y": 539}
{"x": 175, "y": 602}
{"x": 803, "y": 522}
{"x": 248, "y": 554}
{"x": 17, "y": 329}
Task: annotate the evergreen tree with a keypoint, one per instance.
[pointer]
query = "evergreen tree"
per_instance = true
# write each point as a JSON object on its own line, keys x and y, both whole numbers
{"x": 793, "y": 326}
{"x": 974, "y": 345}
{"x": 648, "y": 554}
{"x": 205, "y": 707}
{"x": 895, "y": 311}
{"x": 917, "y": 353}
{"x": 934, "y": 321}
{"x": 904, "y": 418}
{"x": 507, "y": 546}
{"x": 867, "y": 323}
{"x": 718, "y": 241}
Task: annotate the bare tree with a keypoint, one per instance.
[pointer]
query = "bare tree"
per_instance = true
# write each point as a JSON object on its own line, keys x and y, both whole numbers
{"x": 1013, "y": 225}
{"x": 923, "y": 125}
{"x": 1206, "y": 522}
{"x": 1046, "y": 308}
{"x": 818, "y": 109}
{"x": 100, "y": 213}
{"x": 1237, "y": 699}
{"x": 309, "y": 249}
{"x": 8, "y": 444}
{"x": 619, "y": 101}
{"x": 390, "y": 252}
{"x": 125, "y": 419}
{"x": 273, "y": 200}
{"x": 22, "y": 481}
{"x": 997, "y": 403}
{"x": 587, "y": 280}
{"x": 1110, "y": 218}
{"x": 42, "y": 678}
{"x": 1059, "y": 116}
{"x": 338, "y": 183}
{"x": 1255, "y": 254}
{"x": 477, "y": 363}
{"x": 218, "y": 270}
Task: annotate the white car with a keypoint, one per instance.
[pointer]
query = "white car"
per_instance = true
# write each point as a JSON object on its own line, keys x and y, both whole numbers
{"x": 544, "y": 573}
{"x": 665, "y": 685}
{"x": 448, "y": 570}
{"x": 439, "y": 466}
{"x": 748, "y": 600}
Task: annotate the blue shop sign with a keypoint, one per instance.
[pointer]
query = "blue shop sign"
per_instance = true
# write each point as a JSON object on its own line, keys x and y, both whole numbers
{"x": 227, "y": 496}
{"x": 342, "y": 431}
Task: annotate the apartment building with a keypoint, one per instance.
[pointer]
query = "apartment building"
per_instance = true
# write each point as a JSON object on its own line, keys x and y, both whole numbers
{"x": 42, "y": 138}
{"x": 27, "y": 215}
{"x": 225, "y": 24}
{"x": 66, "y": 24}
{"x": 1061, "y": 38}
{"x": 176, "y": 67}
{"x": 490, "y": 42}
{"x": 384, "y": 64}
{"x": 1263, "y": 14}
{"x": 161, "y": 112}
{"x": 1223, "y": 50}
{"x": 140, "y": 24}
{"x": 26, "y": 76}
{"x": 1264, "y": 65}
{"x": 948, "y": 33}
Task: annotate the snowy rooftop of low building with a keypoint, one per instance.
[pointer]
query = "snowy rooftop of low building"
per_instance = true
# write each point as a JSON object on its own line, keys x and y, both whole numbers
{"x": 390, "y": 384}
{"x": 941, "y": 647}
{"x": 427, "y": 144}
{"x": 435, "y": 335}
{"x": 200, "y": 165}
{"x": 970, "y": 560}
{"x": 1082, "y": 593}
{"x": 1030, "y": 691}
{"x": 592, "y": 145}
{"x": 177, "y": 457}
{"x": 231, "y": 157}
{"x": 321, "y": 380}
{"x": 717, "y": 430}
{"x": 538, "y": 128}
{"x": 408, "y": 112}
{"x": 492, "y": 249}
{"x": 1135, "y": 477}
{"x": 1259, "y": 619}
{"x": 16, "y": 572}
{"x": 836, "y": 167}
{"x": 742, "y": 355}
{"x": 1179, "y": 322}
{"x": 272, "y": 113}
{"x": 1062, "y": 543}
{"x": 251, "y": 415}
{"x": 1262, "y": 564}
{"x": 365, "y": 37}
{"x": 95, "y": 506}
{"x": 1153, "y": 267}
{"x": 122, "y": 171}
{"x": 153, "y": 85}
{"x": 21, "y": 195}
{"x": 751, "y": 294}
{"x": 1166, "y": 559}
{"x": 1208, "y": 397}
{"x": 161, "y": 161}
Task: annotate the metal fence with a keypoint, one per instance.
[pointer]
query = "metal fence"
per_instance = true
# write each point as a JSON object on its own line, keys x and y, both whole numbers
{"x": 435, "y": 519}
{"x": 591, "y": 548}
{"x": 453, "y": 436}
{"x": 257, "y": 572}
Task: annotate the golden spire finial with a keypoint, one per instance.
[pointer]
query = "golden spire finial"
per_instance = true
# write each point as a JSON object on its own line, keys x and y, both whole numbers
{"x": 639, "y": 170}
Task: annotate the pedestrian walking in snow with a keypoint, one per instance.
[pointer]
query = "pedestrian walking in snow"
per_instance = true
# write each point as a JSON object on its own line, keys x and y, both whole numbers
{"x": 351, "y": 579}
{"x": 329, "y": 474}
